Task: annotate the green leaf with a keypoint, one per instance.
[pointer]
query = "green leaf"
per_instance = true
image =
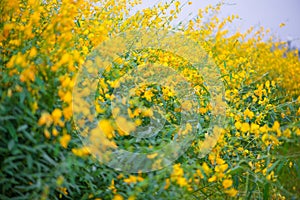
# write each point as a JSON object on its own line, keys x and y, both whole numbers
{"x": 11, "y": 145}
{"x": 266, "y": 191}
{"x": 22, "y": 128}
{"x": 29, "y": 161}
{"x": 11, "y": 130}
{"x": 273, "y": 166}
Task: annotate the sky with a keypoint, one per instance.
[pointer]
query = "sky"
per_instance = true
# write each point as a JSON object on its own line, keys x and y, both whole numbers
{"x": 266, "y": 13}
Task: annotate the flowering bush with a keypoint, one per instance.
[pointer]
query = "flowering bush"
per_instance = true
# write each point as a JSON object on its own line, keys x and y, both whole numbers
{"x": 44, "y": 45}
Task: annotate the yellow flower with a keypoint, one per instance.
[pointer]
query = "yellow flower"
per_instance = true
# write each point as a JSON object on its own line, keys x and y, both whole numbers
{"x": 64, "y": 140}
{"x": 65, "y": 58}
{"x": 125, "y": 127}
{"x": 187, "y": 129}
{"x": 254, "y": 128}
{"x": 56, "y": 115}
{"x": 177, "y": 4}
{"x": 131, "y": 198}
{"x": 202, "y": 110}
{"x": 45, "y": 119}
{"x": 269, "y": 139}
{"x": 34, "y": 106}
{"x": 270, "y": 176}
{"x": 231, "y": 192}
{"x": 287, "y": 133}
{"x": 227, "y": 183}
{"x": 221, "y": 168}
{"x": 138, "y": 122}
{"x": 298, "y": 132}
{"x": 60, "y": 180}
{"x": 136, "y": 112}
{"x": 267, "y": 84}
{"x": 147, "y": 112}
{"x": 33, "y": 52}
{"x": 67, "y": 97}
{"x": 112, "y": 186}
{"x": 67, "y": 112}
{"x": 167, "y": 184}
{"x": 81, "y": 151}
{"x": 264, "y": 129}
{"x": 245, "y": 127}
{"x": 276, "y": 128}
{"x": 220, "y": 161}
{"x": 47, "y": 134}
{"x": 118, "y": 197}
{"x": 167, "y": 93}
{"x": 177, "y": 170}
{"x": 212, "y": 179}
{"x": 148, "y": 95}
{"x": 181, "y": 181}
{"x": 248, "y": 113}
{"x": 206, "y": 168}
{"x": 63, "y": 190}
{"x": 133, "y": 179}
{"x": 177, "y": 175}
{"x": 186, "y": 105}
{"x": 27, "y": 75}
{"x": 281, "y": 25}
{"x": 107, "y": 128}
{"x": 54, "y": 132}
{"x": 238, "y": 125}
{"x": 35, "y": 17}
{"x": 151, "y": 156}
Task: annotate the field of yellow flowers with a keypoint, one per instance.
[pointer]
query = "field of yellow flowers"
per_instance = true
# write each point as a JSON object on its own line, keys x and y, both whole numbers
{"x": 81, "y": 80}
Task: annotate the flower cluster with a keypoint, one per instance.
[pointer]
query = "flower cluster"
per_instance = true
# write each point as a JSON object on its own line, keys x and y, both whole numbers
{"x": 43, "y": 45}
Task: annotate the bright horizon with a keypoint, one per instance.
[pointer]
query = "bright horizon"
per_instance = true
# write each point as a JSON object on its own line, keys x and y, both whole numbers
{"x": 267, "y": 13}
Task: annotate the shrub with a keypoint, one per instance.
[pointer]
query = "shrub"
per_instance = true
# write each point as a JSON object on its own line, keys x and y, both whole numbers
{"x": 45, "y": 43}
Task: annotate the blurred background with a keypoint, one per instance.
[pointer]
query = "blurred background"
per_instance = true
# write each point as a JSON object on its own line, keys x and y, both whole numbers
{"x": 280, "y": 16}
